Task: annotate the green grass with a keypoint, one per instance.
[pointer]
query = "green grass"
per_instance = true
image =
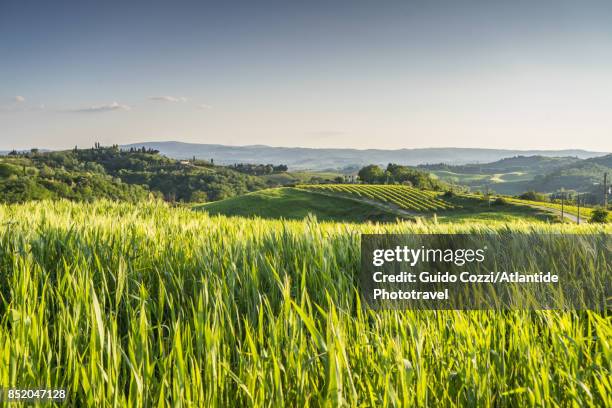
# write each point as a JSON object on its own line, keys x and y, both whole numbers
{"x": 472, "y": 208}
{"x": 460, "y": 178}
{"x": 291, "y": 203}
{"x": 570, "y": 209}
{"x": 400, "y": 196}
{"x": 463, "y": 208}
{"x": 336, "y": 205}
{"x": 505, "y": 183}
{"x": 294, "y": 177}
{"x": 146, "y": 305}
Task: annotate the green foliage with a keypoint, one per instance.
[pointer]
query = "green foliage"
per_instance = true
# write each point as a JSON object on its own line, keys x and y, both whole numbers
{"x": 500, "y": 201}
{"x": 396, "y": 174}
{"x": 199, "y": 196}
{"x": 145, "y": 305}
{"x": 580, "y": 176}
{"x": 371, "y": 174}
{"x": 521, "y": 173}
{"x": 534, "y": 196}
{"x": 107, "y": 172}
{"x": 599, "y": 215}
{"x": 259, "y": 169}
{"x": 413, "y": 177}
{"x": 7, "y": 170}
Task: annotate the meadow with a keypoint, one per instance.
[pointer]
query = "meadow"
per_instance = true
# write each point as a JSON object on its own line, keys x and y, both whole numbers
{"x": 149, "y": 305}
{"x": 292, "y": 203}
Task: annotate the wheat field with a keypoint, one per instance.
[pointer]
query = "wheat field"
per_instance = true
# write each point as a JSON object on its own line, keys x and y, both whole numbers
{"x": 148, "y": 305}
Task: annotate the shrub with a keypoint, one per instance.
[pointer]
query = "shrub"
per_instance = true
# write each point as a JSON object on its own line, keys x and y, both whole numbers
{"x": 199, "y": 196}
{"x": 500, "y": 201}
{"x": 599, "y": 215}
{"x": 533, "y": 196}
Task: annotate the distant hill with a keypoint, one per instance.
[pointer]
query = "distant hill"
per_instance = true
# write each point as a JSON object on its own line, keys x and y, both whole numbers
{"x": 525, "y": 164}
{"x": 581, "y": 176}
{"x": 321, "y": 159}
{"x": 522, "y": 173}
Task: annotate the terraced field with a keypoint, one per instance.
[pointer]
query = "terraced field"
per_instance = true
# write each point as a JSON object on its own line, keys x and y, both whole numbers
{"x": 404, "y": 197}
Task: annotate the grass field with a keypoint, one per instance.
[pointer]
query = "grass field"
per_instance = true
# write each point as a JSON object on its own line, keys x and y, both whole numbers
{"x": 327, "y": 205}
{"x": 291, "y": 203}
{"x": 510, "y": 182}
{"x": 472, "y": 208}
{"x": 147, "y": 305}
{"x": 570, "y": 209}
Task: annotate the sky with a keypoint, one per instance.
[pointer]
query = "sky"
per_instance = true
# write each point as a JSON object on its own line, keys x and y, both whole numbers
{"x": 361, "y": 74}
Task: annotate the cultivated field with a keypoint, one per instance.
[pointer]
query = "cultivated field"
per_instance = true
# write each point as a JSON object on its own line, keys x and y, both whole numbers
{"x": 146, "y": 305}
{"x": 292, "y": 203}
{"x": 404, "y": 197}
{"x": 585, "y": 212}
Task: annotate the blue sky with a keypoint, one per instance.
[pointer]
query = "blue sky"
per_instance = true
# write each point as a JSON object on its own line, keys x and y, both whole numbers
{"x": 364, "y": 74}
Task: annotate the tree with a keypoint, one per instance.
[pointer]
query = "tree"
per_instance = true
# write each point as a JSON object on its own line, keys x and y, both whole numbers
{"x": 599, "y": 215}
{"x": 533, "y": 196}
{"x": 371, "y": 174}
{"x": 500, "y": 201}
{"x": 199, "y": 196}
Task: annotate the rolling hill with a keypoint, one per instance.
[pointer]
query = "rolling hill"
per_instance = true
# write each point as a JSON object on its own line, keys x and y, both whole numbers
{"x": 515, "y": 175}
{"x": 327, "y": 205}
{"x": 582, "y": 176}
{"x": 291, "y": 203}
{"x": 322, "y": 159}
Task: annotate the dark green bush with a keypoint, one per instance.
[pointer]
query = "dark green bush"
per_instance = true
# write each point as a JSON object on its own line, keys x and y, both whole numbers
{"x": 599, "y": 215}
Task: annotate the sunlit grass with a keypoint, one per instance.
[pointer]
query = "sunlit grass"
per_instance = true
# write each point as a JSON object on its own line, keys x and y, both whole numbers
{"x": 145, "y": 305}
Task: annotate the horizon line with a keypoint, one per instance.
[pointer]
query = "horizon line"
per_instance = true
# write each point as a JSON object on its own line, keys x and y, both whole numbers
{"x": 320, "y": 148}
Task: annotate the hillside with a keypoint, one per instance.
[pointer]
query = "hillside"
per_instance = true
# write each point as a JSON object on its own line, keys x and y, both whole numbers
{"x": 510, "y": 175}
{"x": 324, "y": 159}
{"x": 515, "y": 175}
{"x": 401, "y": 196}
{"x": 291, "y": 203}
{"x": 526, "y": 164}
{"x": 329, "y": 204}
{"x": 582, "y": 176}
{"x": 108, "y": 172}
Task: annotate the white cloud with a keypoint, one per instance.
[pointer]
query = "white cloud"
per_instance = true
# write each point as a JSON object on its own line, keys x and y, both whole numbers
{"x": 166, "y": 98}
{"x": 19, "y": 99}
{"x": 114, "y": 106}
{"x": 204, "y": 106}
